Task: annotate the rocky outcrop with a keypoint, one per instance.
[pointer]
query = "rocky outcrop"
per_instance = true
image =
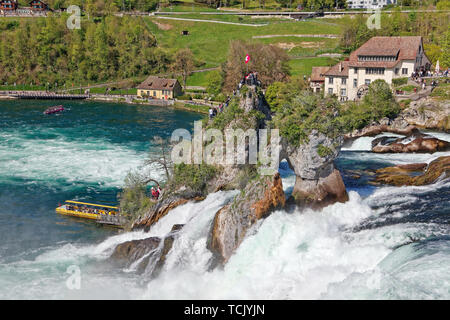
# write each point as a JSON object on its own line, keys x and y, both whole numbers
{"x": 317, "y": 183}
{"x": 321, "y": 192}
{"x": 438, "y": 169}
{"x": 426, "y": 113}
{"x": 417, "y": 142}
{"x": 127, "y": 253}
{"x": 231, "y": 223}
{"x": 162, "y": 207}
{"x": 149, "y": 254}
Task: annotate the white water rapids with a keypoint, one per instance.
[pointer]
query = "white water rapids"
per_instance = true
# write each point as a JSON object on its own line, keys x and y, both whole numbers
{"x": 296, "y": 255}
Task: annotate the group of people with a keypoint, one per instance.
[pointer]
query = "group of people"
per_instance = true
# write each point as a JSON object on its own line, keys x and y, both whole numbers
{"x": 90, "y": 210}
{"x": 213, "y": 111}
{"x": 250, "y": 79}
{"x": 156, "y": 192}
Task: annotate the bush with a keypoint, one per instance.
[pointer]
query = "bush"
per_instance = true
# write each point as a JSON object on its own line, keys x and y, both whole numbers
{"x": 399, "y": 82}
{"x": 193, "y": 176}
{"x": 185, "y": 97}
{"x": 134, "y": 201}
{"x": 307, "y": 112}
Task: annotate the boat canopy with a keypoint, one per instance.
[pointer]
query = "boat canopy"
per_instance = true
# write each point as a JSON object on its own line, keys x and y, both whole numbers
{"x": 91, "y": 204}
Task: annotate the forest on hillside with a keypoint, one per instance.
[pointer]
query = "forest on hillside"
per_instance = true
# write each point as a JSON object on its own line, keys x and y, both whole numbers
{"x": 37, "y": 51}
{"x": 44, "y": 50}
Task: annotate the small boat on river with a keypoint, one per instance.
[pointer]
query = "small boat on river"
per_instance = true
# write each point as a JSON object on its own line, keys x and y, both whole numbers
{"x": 54, "y": 109}
{"x": 101, "y": 213}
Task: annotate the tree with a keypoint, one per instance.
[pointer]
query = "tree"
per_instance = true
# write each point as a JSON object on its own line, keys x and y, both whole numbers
{"x": 215, "y": 81}
{"x": 380, "y": 100}
{"x": 184, "y": 64}
{"x": 160, "y": 160}
{"x": 268, "y": 61}
{"x": 445, "y": 45}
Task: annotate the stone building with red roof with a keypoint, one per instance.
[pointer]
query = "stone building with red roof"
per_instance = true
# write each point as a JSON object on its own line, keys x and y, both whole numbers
{"x": 383, "y": 58}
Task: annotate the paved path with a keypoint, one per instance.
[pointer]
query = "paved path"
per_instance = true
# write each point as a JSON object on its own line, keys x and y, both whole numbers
{"x": 215, "y": 21}
{"x": 330, "y": 36}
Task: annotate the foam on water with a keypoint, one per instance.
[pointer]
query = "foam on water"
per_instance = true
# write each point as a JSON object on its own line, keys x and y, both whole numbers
{"x": 63, "y": 159}
{"x": 303, "y": 255}
{"x": 297, "y": 255}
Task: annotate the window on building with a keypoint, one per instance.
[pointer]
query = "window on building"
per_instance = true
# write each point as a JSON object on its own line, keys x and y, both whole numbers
{"x": 374, "y": 70}
{"x": 154, "y": 93}
{"x": 397, "y": 70}
{"x": 330, "y": 90}
{"x": 355, "y": 83}
{"x": 330, "y": 80}
{"x": 343, "y": 80}
{"x": 404, "y": 70}
{"x": 367, "y": 82}
{"x": 343, "y": 92}
{"x": 355, "y": 70}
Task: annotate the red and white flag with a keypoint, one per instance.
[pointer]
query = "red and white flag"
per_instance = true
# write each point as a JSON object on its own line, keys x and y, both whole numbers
{"x": 247, "y": 58}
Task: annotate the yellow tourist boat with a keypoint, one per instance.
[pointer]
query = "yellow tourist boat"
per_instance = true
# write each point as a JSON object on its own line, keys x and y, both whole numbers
{"x": 87, "y": 210}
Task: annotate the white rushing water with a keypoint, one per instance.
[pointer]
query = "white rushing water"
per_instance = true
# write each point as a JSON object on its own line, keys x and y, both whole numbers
{"x": 361, "y": 147}
{"x": 83, "y": 159}
{"x": 365, "y": 143}
{"x": 298, "y": 255}
{"x": 306, "y": 254}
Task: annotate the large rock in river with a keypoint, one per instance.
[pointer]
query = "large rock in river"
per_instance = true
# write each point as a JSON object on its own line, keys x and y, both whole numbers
{"x": 417, "y": 142}
{"x": 231, "y": 222}
{"x": 317, "y": 182}
{"x": 438, "y": 169}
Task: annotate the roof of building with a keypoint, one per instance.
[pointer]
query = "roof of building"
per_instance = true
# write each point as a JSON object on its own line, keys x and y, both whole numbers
{"x": 402, "y": 48}
{"x": 156, "y": 83}
{"x": 318, "y": 73}
{"x": 339, "y": 70}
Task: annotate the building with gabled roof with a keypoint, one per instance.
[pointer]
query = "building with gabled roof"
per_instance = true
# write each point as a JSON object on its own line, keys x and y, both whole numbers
{"x": 159, "y": 88}
{"x": 317, "y": 78}
{"x": 8, "y": 5}
{"x": 383, "y": 58}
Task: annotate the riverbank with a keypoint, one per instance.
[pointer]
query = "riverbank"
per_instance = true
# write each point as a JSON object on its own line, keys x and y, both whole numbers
{"x": 132, "y": 99}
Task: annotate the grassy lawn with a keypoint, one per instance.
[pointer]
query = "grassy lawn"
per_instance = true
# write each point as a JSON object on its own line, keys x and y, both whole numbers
{"x": 102, "y": 90}
{"x": 198, "y": 79}
{"x": 21, "y": 87}
{"x": 304, "y": 66}
{"x": 210, "y": 41}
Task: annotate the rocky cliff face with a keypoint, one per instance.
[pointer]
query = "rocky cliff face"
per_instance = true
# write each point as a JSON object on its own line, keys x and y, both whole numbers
{"x": 231, "y": 223}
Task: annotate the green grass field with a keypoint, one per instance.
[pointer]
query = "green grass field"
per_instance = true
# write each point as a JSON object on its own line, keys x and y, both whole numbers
{"x": 198, "y": 79}
{"x": 210, "y": 41}
{"x": 300, "y": 67}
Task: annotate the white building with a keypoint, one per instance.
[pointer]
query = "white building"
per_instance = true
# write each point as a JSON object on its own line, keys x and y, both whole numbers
{"x": 383, "y": 58}
{"x": 369, "y": 4}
